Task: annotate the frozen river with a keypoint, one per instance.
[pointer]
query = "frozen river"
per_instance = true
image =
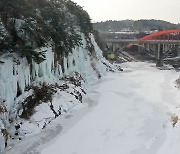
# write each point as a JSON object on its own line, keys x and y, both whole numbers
{"x": 124, "y": 113}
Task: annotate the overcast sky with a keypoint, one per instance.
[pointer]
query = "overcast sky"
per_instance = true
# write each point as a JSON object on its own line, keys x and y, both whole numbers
{"x": 101, "y": 10}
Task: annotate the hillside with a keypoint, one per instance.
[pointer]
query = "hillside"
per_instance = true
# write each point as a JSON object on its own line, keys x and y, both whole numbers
{"x": 131, "y": 25}
{"x": 114, "y": 25}
{"x": 47, "y": 57}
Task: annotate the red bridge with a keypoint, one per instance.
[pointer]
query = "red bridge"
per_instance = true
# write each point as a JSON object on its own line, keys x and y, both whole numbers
{"x": 158, "y": 43}
{"x": 163, "y": 35}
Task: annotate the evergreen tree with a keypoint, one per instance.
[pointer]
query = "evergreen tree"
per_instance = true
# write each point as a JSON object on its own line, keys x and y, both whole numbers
{"x": 31, "y": 24}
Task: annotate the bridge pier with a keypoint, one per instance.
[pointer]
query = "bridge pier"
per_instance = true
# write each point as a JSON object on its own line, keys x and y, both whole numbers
{"x": 166, "y": 48}
{"x": 159, "y": 61}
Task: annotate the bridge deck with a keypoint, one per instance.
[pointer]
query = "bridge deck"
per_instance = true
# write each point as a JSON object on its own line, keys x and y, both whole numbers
{"x": 140, "y": 42}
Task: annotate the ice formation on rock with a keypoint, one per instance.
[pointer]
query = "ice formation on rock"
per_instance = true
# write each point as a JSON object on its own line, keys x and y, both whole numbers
{"x": 16, "y": 76}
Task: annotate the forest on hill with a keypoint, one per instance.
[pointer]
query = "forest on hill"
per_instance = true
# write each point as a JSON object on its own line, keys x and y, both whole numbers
{"x": 132, "y": 25}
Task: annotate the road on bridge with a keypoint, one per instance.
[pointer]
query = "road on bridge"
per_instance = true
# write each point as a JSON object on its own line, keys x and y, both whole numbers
{"x": 125, "y": 113}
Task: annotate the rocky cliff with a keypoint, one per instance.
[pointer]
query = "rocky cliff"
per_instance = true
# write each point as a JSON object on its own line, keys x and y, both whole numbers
{"x": 47, "y": 57}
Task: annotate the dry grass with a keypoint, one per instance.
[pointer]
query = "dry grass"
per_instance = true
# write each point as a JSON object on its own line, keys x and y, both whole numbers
{"x": 3, "y": 108}
{"x": 174, "y": 119}
{"x": 178, "y": 82}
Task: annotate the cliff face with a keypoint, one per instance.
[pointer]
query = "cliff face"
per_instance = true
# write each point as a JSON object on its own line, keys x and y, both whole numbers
{"x": 46, "y": 62}
{"x": 16, "y": 75}
{"x": 19, "y": 82}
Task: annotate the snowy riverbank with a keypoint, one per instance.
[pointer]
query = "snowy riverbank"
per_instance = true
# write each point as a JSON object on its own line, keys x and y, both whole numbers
{"x": 128, "y": 112}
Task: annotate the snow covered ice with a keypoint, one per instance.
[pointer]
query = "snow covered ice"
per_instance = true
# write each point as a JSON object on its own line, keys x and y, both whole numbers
{"x": 128, "y": 113}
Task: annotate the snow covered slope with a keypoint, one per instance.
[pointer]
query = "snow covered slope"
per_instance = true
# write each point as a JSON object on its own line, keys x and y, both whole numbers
{"x": 17, "y": 78}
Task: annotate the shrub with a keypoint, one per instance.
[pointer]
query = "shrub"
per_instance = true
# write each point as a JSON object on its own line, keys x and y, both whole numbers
{"x": 40, "y": 94}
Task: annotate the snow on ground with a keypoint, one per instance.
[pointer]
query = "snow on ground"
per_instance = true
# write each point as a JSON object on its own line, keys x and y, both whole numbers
{"x": 128, "y": 113}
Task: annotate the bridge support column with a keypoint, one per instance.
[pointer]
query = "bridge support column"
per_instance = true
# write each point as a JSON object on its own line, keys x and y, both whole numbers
{"x": 159, "y": 61}
{"x": 154, "y": 49}
{"x": 113, "y": 47}
{"x": 148, "y": 46}
{"x": 166, "y": 48}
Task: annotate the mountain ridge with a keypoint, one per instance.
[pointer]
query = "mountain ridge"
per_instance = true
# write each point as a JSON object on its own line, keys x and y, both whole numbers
{"x": 134, "y": 25}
